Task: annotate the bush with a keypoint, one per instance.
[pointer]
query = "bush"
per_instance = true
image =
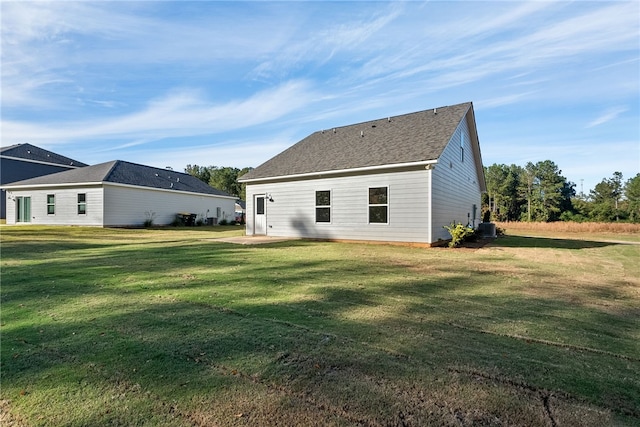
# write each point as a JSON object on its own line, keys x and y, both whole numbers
{"x": 222, "y": 222}
{"x": 151, "y": 216}
{"x": 459, "y": 233}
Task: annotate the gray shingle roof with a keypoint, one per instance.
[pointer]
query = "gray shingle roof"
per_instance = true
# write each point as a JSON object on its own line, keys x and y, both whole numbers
{"x": 121, "y": 172}
{"x": 408, "y": 138}
{"x": 37, "y": 154}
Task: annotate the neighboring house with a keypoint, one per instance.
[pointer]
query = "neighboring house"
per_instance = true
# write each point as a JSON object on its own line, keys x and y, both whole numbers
{"x": 241, "y": 209}
{"x": 397, "y": 179}
{"x": 115, "y": 194}
{"x": 24, "y": 161}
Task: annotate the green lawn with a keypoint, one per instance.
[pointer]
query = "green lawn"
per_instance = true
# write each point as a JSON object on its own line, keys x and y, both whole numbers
{"x": 169, "y": 327}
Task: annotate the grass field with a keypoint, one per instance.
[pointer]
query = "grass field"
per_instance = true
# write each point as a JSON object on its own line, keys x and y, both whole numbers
{"x": 169, "y": 327}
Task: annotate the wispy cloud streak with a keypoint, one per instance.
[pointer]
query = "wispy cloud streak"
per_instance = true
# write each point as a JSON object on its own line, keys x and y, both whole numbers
{"x": 182, "y": 113}
{"x": 607, "y": 116}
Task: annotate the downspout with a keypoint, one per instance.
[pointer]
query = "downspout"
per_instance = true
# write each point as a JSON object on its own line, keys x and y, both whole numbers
{"x": 430, "y": 207}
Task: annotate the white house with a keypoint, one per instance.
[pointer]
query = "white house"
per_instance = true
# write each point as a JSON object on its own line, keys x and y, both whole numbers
{"x": 114, "y": 194}
{"x": 396, "y": 179}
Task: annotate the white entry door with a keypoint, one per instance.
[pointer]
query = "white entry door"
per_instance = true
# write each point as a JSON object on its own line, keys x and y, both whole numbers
{"x": 260, "y": 215}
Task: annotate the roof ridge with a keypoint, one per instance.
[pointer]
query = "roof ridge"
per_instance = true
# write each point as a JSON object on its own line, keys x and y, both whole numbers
{"x": 9, "y": 147}
{"x": 32, "y": 153}
{"x": 111, "y": 169}
{"x": 153, "y": 167}
{"x": 396, "y": 116}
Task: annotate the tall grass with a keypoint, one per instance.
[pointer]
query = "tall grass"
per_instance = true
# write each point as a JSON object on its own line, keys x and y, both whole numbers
{"x": 573, "y": 227}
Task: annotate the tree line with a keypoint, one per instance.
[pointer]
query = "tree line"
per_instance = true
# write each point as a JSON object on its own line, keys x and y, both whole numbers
{"x": 539, "y": 192}
{"x": 533, "y": 192}
{"x": 223, "y": 178}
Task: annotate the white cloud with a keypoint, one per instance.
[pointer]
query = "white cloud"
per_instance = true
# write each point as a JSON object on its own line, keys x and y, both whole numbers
{"x": 74, "y": 44}
{"x": 521, "y": 40}
{"x": 180, "y": 113}
{"x": 606, "y": 116}
{"x": 503, "y": 100}
{"x": 328, "y": 41}
{"x": 236, "y": 153}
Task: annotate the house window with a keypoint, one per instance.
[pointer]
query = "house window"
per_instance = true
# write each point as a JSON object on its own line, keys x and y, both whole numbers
{"x": 323, "y": 206}
{"x": 462, "y": 147}
{"x": 378, "y": 205}
{"x": 23, "y": 209}
{"x": 51, "y": 204}
{"x": 219, "y": 213}
{"x": 82, "y": 203}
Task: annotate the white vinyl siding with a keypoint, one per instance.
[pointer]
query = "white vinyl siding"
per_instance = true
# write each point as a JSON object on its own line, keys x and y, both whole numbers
{"x": 126, "y": 206}
{"x": 119, "y": 206}
{"x": 292, "y": 213}
{"x": 455, "y": 185}
{"x": 66, "y": 206}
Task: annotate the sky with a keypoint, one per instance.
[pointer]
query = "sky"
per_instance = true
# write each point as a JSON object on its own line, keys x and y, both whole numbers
{"x": 167, "y": 83}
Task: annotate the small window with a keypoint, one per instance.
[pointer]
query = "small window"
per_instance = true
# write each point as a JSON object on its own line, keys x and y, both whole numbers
{"x": 260, "y": 205}
{"x": 378, "y": 205}
{"x": 82, "y": 203}
{"x": 323, "y": 206}
{"x": 462, "y": 147}
{"x": 51, "y": 204}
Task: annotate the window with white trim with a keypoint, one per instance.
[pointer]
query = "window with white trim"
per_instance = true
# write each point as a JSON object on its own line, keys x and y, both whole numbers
{"x": 378, "y": 205}
{"x": 323, "y": 206}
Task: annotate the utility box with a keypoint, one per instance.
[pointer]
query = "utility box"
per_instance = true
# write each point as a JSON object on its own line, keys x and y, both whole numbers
{"x": 487, "y": 229}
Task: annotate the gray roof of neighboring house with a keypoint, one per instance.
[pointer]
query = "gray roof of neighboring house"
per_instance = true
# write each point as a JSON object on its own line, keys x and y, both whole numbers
{"x": 121, "y": 172}
{"x": 408, "y": 138}
{"x": 36, "y": 154}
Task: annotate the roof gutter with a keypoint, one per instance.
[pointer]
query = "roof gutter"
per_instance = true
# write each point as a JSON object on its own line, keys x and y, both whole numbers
{"x": 341, "y": 171}
{"x": 10, "y": 187}
{"x": 170, "y": 190}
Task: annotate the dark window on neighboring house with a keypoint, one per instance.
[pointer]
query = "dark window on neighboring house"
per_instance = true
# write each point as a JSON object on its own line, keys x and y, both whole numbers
{"x": 82, "y": 203}
{"x": 323, "y": 206}
{"x": 378, "y": 205}
{"x": 51, "y": 204}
